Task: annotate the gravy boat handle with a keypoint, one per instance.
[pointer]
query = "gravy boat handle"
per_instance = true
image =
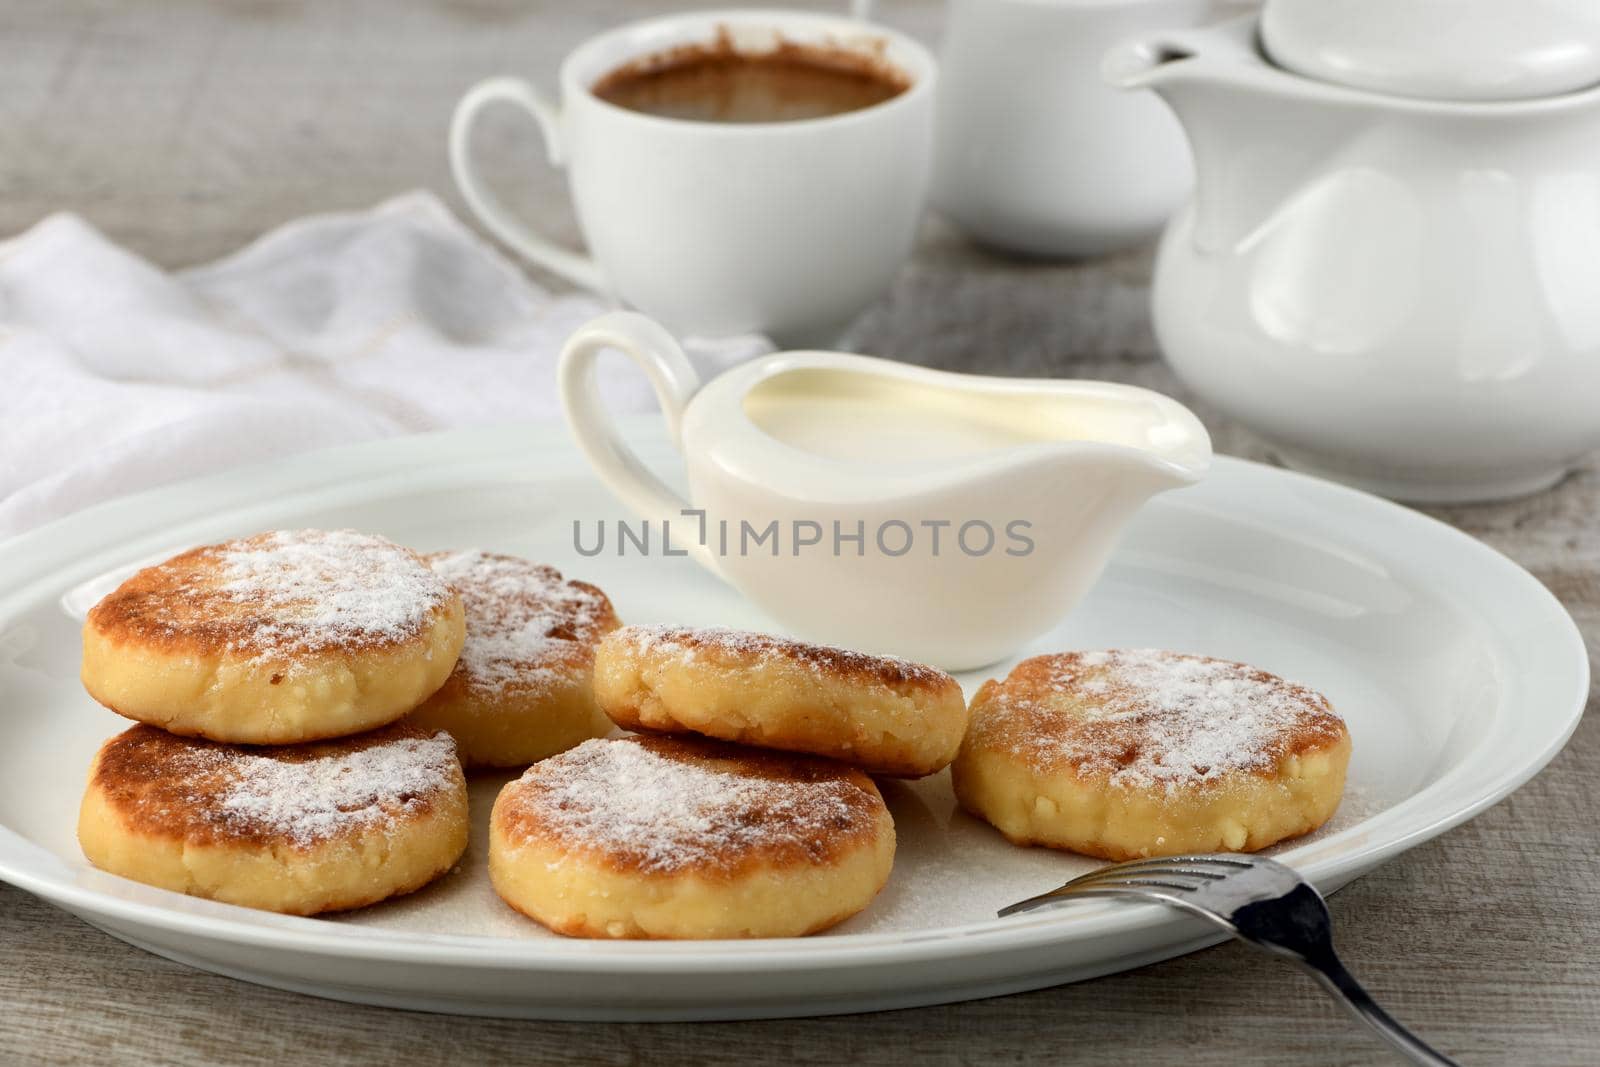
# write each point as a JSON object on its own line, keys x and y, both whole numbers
{"x": 657, "y": 353}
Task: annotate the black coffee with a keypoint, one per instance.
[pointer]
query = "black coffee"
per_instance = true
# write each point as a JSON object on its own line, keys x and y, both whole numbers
{"x": 715, "y": 83}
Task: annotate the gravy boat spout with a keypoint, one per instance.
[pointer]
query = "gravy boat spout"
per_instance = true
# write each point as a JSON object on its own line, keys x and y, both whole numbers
{"x": 946, "y": 518}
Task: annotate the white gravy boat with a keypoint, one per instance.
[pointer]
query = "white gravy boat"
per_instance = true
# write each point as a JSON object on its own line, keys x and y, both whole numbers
{"x": 946, "y": 518}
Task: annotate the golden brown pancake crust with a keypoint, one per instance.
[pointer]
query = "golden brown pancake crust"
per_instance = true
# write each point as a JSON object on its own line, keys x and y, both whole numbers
{"x": 204, "y": 792}
{"x": 734, "y": 648}
{"x": 280, "y": 638}
{"x": 882, "y": 714}
{"x": 1127, "y": 753}
{"x": 279, "y": 592}
{"x": 1133, "y": 716}
{"x": 668, "y": 806}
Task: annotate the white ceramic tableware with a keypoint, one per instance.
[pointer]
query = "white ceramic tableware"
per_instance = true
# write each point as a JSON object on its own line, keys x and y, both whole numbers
{"x": 1459, "y": 676}
{"x": 1033, "y": 152}
{"x": 942, "y": 517}
{"x": 1389, "y": 266}
{"x": 784, "y": 228}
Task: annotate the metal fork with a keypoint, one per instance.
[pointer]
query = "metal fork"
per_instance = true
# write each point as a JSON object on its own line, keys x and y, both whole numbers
{"x": 1258, "y": 901}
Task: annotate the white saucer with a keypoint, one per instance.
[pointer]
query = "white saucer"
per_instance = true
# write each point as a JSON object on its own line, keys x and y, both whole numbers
{"x": 1459, "y": 675}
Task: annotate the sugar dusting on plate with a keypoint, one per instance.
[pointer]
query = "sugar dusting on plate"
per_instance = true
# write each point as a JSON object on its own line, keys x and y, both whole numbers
{"x": 640, "y": 800}
{"x": 527, "y": 627}
{"x": 1148, "y": 717}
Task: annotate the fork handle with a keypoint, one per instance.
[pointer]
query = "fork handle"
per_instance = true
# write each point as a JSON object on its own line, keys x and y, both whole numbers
{"x": 1331, "y": 973}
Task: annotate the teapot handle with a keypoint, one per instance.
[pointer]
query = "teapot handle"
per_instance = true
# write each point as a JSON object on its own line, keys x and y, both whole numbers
{"x": 658, "y": 354}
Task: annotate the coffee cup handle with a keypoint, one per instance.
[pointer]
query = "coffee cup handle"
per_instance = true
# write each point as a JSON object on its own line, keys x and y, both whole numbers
{"x": 573, "y": 266}
{"x": 657, "y": 353}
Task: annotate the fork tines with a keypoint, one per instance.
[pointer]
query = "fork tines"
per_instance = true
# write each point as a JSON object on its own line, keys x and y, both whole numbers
{"x": 1181, "y": 874}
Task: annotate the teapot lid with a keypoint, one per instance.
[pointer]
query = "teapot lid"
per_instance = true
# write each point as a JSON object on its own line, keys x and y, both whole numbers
{"x": 1467, "y": 50}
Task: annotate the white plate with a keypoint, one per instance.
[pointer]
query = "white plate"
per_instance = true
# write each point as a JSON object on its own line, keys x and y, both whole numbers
{"x": 1459, "y": 674}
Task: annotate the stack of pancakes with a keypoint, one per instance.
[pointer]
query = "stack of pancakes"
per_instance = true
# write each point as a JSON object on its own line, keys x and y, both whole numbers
{"x": 276, "y": 767}
{"x": 753, "y": 815}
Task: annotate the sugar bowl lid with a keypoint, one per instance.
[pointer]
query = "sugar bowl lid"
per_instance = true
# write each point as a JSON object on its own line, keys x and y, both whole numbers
{"x": 1466, "y": 50}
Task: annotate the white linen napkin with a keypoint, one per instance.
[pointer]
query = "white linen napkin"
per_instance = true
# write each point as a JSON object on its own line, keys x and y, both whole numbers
{"x": 116, "y": 376}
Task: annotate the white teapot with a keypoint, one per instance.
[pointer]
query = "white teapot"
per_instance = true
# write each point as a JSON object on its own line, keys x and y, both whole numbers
{"x": 1390, "y": 268}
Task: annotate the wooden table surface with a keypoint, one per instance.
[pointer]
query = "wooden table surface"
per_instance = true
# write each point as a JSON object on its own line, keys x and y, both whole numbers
{"x": 184, "y": 128}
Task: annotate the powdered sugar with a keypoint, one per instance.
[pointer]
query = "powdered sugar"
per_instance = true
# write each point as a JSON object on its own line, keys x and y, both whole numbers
{"x": 687, "y": 642}
{"x": 1149, "y": 717}
{"x": 312, "y": 799}
{"x": 634, "y": 799}
{"x": 684, "y": 639}
{"x": 526, "y": 626}
{"x": 315, "y": 589}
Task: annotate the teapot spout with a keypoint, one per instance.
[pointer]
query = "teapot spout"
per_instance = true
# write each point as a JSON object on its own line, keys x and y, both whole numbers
{"x": 1258, "y": 135}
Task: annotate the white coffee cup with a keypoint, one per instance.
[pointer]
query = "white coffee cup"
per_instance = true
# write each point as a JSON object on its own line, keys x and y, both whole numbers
{"x": 787, "y": 228}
